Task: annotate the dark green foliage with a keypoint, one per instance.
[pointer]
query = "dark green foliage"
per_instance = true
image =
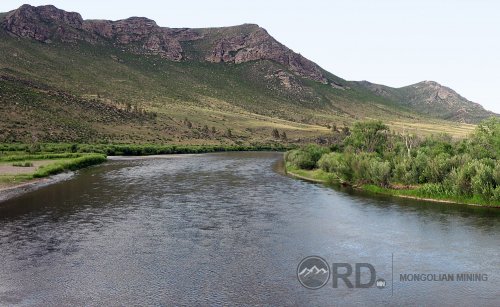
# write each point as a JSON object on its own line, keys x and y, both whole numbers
{"x": 306, "y": 157}
{"x": 300, "y": 159}
{"x": 437, "y": 166}
{"x": 23, "y": 164}
{"x": 405, "y": 171}
{"x": 485, "y": 141}
{"x": 336, "y": 163}
{"x": 357, "y": 168}
{"x": 368, "y": 136}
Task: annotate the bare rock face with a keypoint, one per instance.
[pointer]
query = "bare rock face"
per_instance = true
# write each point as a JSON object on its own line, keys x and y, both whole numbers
{"x": 433, "y": 92}
{"x": 139, "y": 35}
{"x": 259, "y": 45}
{"x": 43, "y": 23}
{"x": 143, "y": 36}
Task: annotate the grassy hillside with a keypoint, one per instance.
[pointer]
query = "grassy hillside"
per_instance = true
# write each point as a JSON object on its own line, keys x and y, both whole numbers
{"x": 431, "y": 99}
{"x": 95, "y": 93}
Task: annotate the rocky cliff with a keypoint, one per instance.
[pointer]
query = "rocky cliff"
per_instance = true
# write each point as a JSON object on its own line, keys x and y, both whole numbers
{"x": 143, "y": 36}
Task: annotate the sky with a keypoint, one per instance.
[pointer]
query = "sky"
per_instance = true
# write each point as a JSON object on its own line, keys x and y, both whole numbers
{"x": 391, "y": 42}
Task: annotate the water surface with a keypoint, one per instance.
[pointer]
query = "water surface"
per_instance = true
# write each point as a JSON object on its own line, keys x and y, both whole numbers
{"x": 230, "y": 229}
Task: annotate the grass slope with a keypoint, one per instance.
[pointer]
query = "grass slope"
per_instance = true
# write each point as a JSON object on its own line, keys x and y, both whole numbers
{"x": 95, "y": 93}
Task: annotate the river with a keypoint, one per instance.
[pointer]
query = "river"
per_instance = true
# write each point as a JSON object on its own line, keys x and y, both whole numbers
{"x": 231, "y": 229}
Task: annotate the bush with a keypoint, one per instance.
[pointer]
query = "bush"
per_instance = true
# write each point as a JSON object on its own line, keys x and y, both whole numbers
{"x": 336, "y": 163}
{"x": 475, "y": 177}
{"x": 307, "y": 157}
{"x": 482, "y": 182}
{"x": 420, "y": 164}
{"x": 300, "y": 159}
{"x": 485, "y": 141}
{"x": 357, "y": 168}
{"x": 370, "y": 136}
{"x": 496, "y": 173}
{"x": 496, "y": 194}
{"x": 360, "y": 165}
{"x": 316, "y": 151}
{"x": 380, "y": 172}
{"x": 437, "y": 168}
{"x": 405, "y": 171}
{"x": 462, "y": 179}
{"x": 23, "y": 164}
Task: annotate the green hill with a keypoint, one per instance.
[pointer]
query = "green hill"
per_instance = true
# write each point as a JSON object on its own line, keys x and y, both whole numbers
{"x": 68, "y": 79}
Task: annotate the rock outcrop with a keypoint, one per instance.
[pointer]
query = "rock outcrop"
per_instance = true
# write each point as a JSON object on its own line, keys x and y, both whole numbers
{"x": 139, "y": 35}
{"x": 43, "y": 23}
{"x": 259, "y": 45}
{"x": 143, "y": 36}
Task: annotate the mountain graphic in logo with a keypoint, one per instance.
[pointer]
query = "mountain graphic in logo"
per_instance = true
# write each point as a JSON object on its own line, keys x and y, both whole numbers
{"x": 313, "y": 272}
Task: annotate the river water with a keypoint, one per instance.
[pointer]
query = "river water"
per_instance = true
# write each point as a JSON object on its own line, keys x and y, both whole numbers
{"x": 231, "y": 229}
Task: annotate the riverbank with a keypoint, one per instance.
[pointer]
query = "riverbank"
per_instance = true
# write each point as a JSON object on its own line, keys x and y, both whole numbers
{"x": 18, "y": 174}
{"x": 320, "y": 176}
{"x": 15, "y": 190}
{"x": 22, "y": 171}
{"x": 133, "y": 149}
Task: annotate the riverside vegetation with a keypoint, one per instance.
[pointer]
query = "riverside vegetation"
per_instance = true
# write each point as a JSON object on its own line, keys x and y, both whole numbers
{"x": 370, "y": 157}
{"x": 61, "y": 157}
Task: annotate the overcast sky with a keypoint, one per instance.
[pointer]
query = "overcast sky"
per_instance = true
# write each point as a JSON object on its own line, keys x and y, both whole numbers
{"x": 392, "y": 42}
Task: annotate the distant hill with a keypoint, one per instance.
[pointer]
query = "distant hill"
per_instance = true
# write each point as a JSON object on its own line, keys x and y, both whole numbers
{"x": 64, "y": 78}
{"x": 433, "y": 99}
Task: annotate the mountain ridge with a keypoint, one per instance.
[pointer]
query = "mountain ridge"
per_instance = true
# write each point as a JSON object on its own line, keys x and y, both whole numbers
{"x": 430, "y": 97}
{"x": 188, "y": 81}
{"x": 46, "y": 23}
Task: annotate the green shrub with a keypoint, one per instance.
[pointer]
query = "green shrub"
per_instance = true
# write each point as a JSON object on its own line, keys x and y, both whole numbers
{"x": 496, "y": 173}
{"x": 360, "y": 165}
{"x": 437, "y": 168}
{"x": 306, "y": 157}
{"x": 496, "y": 194}
{"x": 405, "y": 171}
{"x": 482, "y": 182}
{"x": 357, "y": 168}
{"x": 336, "y": 163}
{"x": 369, "y": 136}
{"x": 380, "y": 172}
{"x": 300, "y": 159}
{"x": 23, "y": 164}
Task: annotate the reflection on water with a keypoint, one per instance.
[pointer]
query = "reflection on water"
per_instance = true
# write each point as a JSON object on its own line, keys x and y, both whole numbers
{"x": 230, "y": 229}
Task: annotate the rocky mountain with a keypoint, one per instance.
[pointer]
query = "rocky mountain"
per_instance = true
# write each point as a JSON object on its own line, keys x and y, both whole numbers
{"x": 143, "y": 36}
{"x": 140, "y": 82}
{"x": 433, "y": 99}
